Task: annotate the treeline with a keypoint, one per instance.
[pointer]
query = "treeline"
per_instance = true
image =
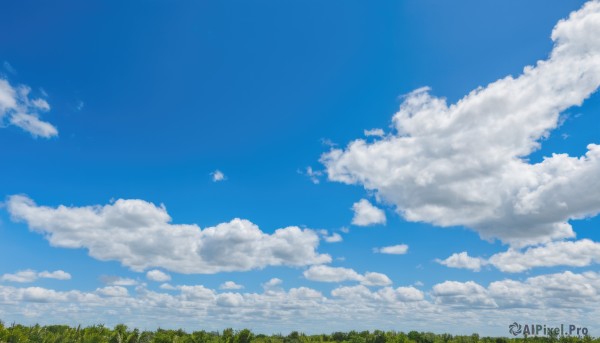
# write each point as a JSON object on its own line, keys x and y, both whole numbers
{"x": 122, "y": 334}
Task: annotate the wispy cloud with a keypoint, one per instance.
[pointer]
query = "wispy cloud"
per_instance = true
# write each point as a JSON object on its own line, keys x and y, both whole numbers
{"x": 18, "y": 108}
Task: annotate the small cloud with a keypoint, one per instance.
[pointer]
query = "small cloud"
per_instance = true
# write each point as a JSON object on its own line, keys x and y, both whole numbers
{"x": 113, "y": 291}
{"x": 345, "y": 229}
{"x": 366, "y": 214}
{"x": 464, "y": 261}
{"x": 334, "y": 238}
{"x": 399, "y": 249}
{"x": 374, "y": 133}
{"x": 328, "y": 142}
{"x": 22, "y": 276}
{"x": 323, "y": 273}
{"x": 230, "y": 285}
{"x": 218, "y": 175}
{"x": 30, "y": 275}
{"x": 157, "y": 275}
{"x": 57, "y": 274}
{"x": 314, "y": 175}
{"x": 41, "y": 104}
{"x": 273, "y": 284}
{"x": 168, "y": 287}
{"x": 21, "y": 110}
{"x": 117, "y": 281}
{"x": 79, "y": 106}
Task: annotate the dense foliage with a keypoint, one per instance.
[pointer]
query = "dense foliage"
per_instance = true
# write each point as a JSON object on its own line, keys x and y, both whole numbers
{"x": 121, "y": 334}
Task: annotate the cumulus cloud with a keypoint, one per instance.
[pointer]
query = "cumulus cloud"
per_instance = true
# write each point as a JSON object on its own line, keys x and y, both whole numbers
{"x": 139, "y": 235}
{"x": 339, "y": 274}
{"x": 217, "y": 176}
{"x": 366, "y": 214}
{"x": 399, "y": 249}
{"x": 18, "y": 108}
{"x": 464, "y": 261}
{"x": 30, "y": 275}
{"x": 466, "y": 163}
{"x": 230, "y": 285}
{"x": 579, "y": 253}
{"x": 157, "y": 275}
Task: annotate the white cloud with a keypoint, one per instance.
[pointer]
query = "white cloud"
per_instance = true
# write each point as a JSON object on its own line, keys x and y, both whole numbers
{"x": 117, "y": 281}
{"x": 217, "y": 176}
{"x": 323, "y": 273}
{"x": 561, "y": 290}
{"x": 230, "y": 285}
{"x": 375, "y": 279}
{"x": 464, "y": 261}
{"x": 575, "y": 254}
{"x": 314, "y": 175}
{"x": 57, "y": 274}
{"x": 167, "y": 286}
{"x": 465, "y": 163}
{"x": 19, "y": 109}
{"x": 564, "y": 253}
{"x": 331, "y": 274}
{"x": 139, "y": 235}
{"x": 272, "y": 284}
{"x": 21, "y": 276}
{"x": 366, "y": 214}
{"x": 464, "y": 294}
{"x": 113, "y": 291}
{"x": 399, "y": 249}
{"x": 157, "y": 275}
{"x": 374, "y": 133}
{"x": 333, "y": 238}
{"x": 30, "y": 275}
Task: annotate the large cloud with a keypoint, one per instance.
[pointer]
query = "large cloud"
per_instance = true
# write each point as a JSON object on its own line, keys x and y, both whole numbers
{"x": 580, "y": 253}
{"x": 465, "y": 164}
{"x": 139, "y": 235}
{"x": 19, "y": 109}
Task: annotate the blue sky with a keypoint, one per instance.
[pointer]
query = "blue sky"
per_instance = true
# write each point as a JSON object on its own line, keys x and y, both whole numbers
{"x": 102, "y": 101}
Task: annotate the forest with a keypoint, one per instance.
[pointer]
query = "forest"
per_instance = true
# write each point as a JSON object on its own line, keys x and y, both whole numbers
{"x": 14, "y": 333}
